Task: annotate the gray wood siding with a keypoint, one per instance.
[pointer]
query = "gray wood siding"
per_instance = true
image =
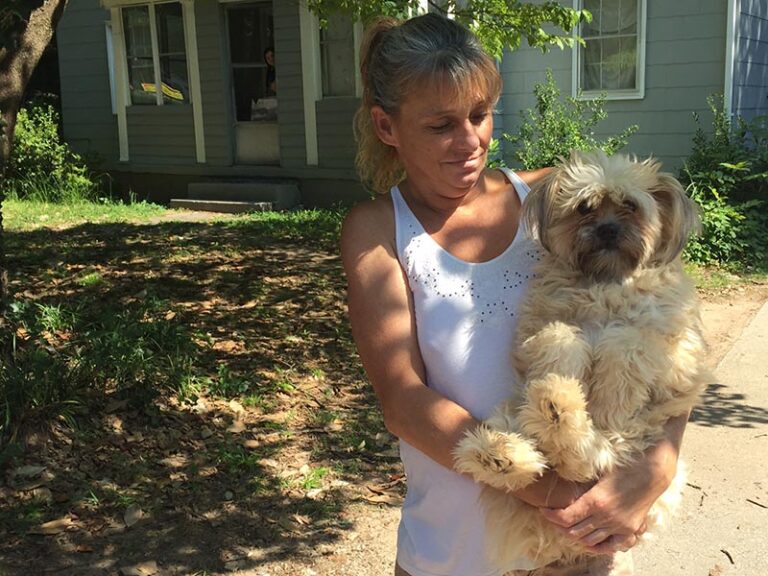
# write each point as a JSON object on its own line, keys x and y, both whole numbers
{"x": 161, "y": 134}
{"x": 162, "y": 139}
{"x": 290, "y": 116}
{"x": 214, "y": 82}
{"x": 89, "y": 125}
{"x": 750, "y": 75}
{"x": 685, "y": 60}
{"x": 335, "y": 136}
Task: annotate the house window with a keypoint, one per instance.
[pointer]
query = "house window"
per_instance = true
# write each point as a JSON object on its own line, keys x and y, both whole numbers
{"x": 156, "y": 54}
{"x": 338, "y": 56}
{"x": 252, "y": 60}
{"x": 612, "y": 60}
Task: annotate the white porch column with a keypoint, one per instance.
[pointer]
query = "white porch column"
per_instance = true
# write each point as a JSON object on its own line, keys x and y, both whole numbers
{"x": 309, "y": 31}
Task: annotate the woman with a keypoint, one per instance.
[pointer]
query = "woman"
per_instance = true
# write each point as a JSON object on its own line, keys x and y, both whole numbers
{"x": 436, "y": 266}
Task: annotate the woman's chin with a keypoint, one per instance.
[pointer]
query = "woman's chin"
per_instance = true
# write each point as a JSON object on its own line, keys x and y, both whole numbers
{"x": 465, "y": 179}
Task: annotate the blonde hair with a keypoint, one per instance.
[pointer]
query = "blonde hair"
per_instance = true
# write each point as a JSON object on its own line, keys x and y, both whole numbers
{"x": 396, "y": 57}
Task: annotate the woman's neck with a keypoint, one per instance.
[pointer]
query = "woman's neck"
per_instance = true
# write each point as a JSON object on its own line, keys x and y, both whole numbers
{"x": 426, "y": 197}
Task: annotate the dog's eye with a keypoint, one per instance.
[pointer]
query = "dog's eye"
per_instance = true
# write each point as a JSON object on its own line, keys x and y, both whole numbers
{"x": 630, "y": 205}
{"x": 584, "y": 208}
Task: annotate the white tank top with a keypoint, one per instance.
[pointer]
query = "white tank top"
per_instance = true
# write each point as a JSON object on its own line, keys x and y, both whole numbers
{"x": 465, "y": 323}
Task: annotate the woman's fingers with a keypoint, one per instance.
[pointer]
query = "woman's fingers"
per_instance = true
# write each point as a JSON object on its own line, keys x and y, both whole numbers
{"x": 616, "y": 543}
{"x": 597, "y": 537}
{"x": 569, "y": 516}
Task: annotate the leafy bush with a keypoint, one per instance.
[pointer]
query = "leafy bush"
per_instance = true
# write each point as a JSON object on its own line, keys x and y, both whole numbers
{"x": 41, "y": 166}
{"x": 557, "y": 125}
{"x": 727, "y": 176}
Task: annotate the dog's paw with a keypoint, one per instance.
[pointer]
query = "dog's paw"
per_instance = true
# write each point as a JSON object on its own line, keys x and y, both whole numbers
{"x": 555, "y": 412}
{"x": 502, "y": 460}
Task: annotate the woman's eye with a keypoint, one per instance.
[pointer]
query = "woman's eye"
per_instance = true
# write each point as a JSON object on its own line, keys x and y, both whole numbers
{"x": 478, "y": 118}
{"x": 440, "y": 127}
{"x": 584, "y": 208}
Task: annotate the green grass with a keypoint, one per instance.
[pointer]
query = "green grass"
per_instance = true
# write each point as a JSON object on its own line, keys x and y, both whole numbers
{"x": 713, "y": 279}
{"x": 90, "y": 279}
{"x": 31, "y": 215}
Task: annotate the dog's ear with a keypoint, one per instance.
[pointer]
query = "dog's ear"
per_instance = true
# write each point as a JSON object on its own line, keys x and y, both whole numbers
{"x": 678, "y": 214}
{"x": 538, "y": 206}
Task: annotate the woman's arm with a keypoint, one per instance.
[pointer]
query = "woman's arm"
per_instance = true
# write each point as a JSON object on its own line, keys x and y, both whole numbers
{"x": 530, "y": 177}
{"x": 611, "y": 516}
{"x": 383, "y": 326}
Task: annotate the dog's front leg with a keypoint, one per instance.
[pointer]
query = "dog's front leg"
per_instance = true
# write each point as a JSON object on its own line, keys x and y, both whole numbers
{"x": 555, "y": 414}
{"x": 495, "y": 454}
{"x": 556, "y": 348}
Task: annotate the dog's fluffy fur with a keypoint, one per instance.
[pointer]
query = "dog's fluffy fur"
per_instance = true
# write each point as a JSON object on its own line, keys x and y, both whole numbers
{"x": 609, "y": 346}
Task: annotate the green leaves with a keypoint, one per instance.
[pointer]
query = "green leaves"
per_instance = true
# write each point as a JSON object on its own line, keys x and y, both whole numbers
{"x": 41, "y": 166}
{"x": 499, "y": 24}
{"x": 727, "y": 176}
{"x": 558, "y": 125}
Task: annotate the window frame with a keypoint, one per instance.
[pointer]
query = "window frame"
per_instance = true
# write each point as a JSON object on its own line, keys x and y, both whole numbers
{"x": 637, "y": 93}
{"x": 357, "y": 35}
{"x": 159, "y": 100}
{"x": 232, "y": 66}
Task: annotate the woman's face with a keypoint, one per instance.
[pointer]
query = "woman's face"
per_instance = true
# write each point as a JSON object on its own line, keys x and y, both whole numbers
{"x": 442, "y": 144}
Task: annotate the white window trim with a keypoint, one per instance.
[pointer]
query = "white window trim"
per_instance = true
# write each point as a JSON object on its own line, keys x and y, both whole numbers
{"x": 312, "y": 82}
{"x": 121, "y": 76}
{"x": 636, "y": 94}
{"x": 111, "y": 65}
{"x": 732, "y": 38}
{"x": 156, "y": 56}
{"x": 358, "y": 31}
{"x": 121, "y": 71}
{"x": 193, "y": 71}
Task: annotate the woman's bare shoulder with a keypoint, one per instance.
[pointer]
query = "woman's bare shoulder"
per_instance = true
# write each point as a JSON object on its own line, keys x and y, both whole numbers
{"x": 369, "y": 223}
{"x": 497, "y": 179}
{"x": 530, "y": 177}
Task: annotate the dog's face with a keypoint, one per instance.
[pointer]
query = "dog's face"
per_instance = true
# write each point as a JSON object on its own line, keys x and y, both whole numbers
{"x": 608, "y": 217}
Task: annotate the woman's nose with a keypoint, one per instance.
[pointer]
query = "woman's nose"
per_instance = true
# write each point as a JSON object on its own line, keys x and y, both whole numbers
{"x": 468, "y": 138}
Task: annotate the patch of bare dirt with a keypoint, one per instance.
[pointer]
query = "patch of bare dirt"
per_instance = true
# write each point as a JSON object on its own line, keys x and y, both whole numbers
{"x": 725, "y": 315}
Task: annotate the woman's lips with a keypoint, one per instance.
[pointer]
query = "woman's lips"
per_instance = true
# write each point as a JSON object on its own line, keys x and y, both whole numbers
{"x": 465, "y": 162}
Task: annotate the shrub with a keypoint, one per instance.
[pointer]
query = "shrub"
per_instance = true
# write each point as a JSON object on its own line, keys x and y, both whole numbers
{"x": 558, "y": 125}
{"x": 727, "y": 176}
{"x": 41, "y": 166}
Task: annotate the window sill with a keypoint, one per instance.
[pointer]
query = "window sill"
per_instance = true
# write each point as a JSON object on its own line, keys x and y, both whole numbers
{"x": 609, "y": 95}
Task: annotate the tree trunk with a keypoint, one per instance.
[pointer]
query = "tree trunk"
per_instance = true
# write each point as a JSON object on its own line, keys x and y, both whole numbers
{"x": 26, "y": 29}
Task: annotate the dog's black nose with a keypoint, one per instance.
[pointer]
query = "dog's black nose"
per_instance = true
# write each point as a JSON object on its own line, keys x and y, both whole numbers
{"x": 608, "y": 232}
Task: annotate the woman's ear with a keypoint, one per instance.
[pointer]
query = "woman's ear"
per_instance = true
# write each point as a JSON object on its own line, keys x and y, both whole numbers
{"x": 383, "y": 125}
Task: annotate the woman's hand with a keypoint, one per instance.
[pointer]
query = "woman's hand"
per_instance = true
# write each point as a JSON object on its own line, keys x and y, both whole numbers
{"x": 551, "y": 491}
{"x": 611, "y": 515}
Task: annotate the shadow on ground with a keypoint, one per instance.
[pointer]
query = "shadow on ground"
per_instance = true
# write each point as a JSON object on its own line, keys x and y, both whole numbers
{"x": 263, "y": 469}
{"x": 722, "y": 406}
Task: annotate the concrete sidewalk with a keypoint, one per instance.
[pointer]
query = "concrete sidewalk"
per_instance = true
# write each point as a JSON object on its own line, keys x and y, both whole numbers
{"x": 723, "y": 526}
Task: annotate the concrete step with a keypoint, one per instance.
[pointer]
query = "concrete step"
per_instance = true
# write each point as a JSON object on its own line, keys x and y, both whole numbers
{"x": 225, "y": 206}
{"x": 283, "y": 195}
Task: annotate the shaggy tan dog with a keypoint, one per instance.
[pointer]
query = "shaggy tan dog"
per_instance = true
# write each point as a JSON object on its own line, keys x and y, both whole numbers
{"x": 609, "y": 346}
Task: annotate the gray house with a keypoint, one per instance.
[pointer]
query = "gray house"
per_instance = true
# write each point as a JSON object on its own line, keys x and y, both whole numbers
{"x": 203, "y": 96}
{"x": 657, "y": 61}
{"x": 172, "y": 95}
